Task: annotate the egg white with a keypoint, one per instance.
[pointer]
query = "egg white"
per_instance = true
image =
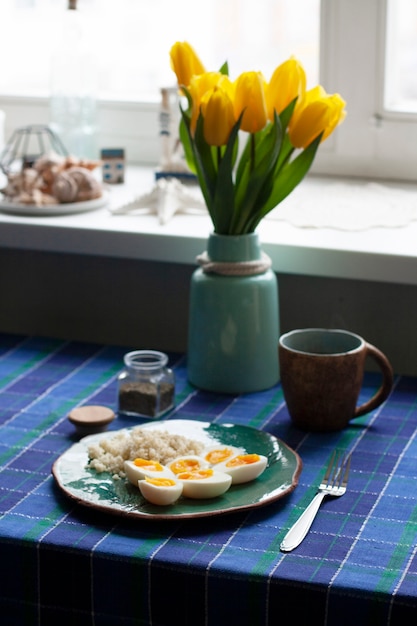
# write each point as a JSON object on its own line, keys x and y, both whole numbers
{"x": 161, "y": 495}
{"x": 243, "y": 473}
{"x": 135, "y": 473}
{"x": 225, "y": 453}
{"x": 201, "y": 488}
{"x": 189, "y": 461}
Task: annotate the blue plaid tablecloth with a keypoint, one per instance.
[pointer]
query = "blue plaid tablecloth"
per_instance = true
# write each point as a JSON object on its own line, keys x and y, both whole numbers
{"x": 61, "y": 562}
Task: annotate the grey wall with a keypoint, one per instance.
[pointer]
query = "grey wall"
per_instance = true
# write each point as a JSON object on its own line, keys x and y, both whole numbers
{"x": 141, "y": 304}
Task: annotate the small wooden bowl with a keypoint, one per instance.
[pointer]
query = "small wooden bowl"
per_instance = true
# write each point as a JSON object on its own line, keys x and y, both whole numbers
{"x": 91, "y": 419}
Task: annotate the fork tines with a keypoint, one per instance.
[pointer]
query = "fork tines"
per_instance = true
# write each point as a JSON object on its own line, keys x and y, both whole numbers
{"x": 337, "y": 471}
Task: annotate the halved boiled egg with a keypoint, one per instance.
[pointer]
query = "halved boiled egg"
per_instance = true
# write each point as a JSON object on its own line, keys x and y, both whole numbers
{"x": 139, "y": 469}
{"x": 220, "y": 454}
{"x": 244, "y": 467}
{"x": 204, "y": 483}
{"x": 187, "y": 463}
{"x": 160, "y": 491}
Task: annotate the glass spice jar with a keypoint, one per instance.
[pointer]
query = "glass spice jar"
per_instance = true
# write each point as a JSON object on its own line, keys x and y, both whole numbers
{"x": 146, "y": 387}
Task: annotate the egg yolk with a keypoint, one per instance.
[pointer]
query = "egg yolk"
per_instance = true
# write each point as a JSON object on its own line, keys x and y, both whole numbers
{"x": 145, "y": 464}
{"x": 219, "y": 455}
{"x": 196, "y": 474}
{"x": 243, "y": 459}
{"x": 184, "y": 465}
{"x": 161, "y": 482}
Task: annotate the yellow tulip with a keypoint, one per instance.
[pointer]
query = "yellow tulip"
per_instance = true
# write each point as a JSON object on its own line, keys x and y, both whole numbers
{"x": 317, "y": 113}
{"x": 288, "y": 81}
{"x": 202, "y": 85}
{"x": 185, "y": 62}
{"x": 250, "y": 98}
{"x": 217, "y": 111}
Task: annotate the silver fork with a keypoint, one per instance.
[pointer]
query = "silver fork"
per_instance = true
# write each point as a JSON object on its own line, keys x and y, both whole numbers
{"x": 333, "y": 484}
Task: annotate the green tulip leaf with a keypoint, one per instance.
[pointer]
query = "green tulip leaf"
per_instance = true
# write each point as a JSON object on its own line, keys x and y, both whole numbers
{"x": 224, "y": 198}
{"x": 290, "y": 176}
{"x": 285, "y": 154}
{"x": 189, "y": 102}
{"x": 205, "y": 153}
{"x": 245, "y": 166}
{"x": 286, "y": 114}
{"x": 188, "y": 146}
{"x": 224, "y": 69}
{"x": 256, "y": 184}
{"x": 204, "y": 167}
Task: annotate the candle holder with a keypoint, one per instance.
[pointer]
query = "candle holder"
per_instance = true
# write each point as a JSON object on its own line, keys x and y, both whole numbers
{"x": 27, "y": 144}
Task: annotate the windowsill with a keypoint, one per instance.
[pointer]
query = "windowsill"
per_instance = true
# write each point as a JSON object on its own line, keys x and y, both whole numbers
{"x": 384, "y": 254}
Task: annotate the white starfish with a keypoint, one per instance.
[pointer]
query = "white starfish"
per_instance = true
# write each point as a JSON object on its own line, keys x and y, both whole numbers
{"x": 168, "y": 197}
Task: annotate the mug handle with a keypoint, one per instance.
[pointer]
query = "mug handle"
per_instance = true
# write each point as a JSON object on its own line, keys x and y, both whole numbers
{"x": 387, "y": 381}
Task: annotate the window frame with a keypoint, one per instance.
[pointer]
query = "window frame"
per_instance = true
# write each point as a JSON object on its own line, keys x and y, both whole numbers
{"x": 372, "y": 142}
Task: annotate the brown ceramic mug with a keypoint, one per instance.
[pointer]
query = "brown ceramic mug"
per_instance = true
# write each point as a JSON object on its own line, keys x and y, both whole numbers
{"x": 321, "y": 376}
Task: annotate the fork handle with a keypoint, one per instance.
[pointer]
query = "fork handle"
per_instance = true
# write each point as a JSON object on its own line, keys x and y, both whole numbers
{"x": 298, "y": 531}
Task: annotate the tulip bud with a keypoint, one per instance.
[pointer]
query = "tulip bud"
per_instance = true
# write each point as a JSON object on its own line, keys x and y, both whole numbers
{"x": 288, "y": 81}
{"x": 317, "y": 113}
{"x": 219, "y": 119}
{"x": 250, "y": 98}
{"x": 185, "y": 62}
{"x": 202, "y": 85}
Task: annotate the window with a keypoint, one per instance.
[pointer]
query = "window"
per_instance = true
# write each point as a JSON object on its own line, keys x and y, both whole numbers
{"x": 400, "y": 92}
{"x": 364, "y": 50}
{"x": 373, "y": 141}
{"x": 131, "y": 39}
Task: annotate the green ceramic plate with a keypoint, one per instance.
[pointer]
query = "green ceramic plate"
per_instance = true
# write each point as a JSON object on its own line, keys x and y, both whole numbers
{"x": 119, "y": 497}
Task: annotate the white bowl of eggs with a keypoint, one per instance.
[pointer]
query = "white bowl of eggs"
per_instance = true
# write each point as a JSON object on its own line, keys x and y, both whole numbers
{"x": 197, "y": 477}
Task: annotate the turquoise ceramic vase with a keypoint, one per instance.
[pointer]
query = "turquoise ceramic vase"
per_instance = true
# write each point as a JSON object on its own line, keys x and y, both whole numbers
{"x": 233, "y": 318}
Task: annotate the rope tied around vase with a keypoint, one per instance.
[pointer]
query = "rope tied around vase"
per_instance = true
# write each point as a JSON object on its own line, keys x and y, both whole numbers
{"x": 234, "y": 268}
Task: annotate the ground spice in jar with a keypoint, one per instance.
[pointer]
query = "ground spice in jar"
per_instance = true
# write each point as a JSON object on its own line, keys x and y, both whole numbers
{"x": 144, "y": 398}
{"x": 146, "y": 387}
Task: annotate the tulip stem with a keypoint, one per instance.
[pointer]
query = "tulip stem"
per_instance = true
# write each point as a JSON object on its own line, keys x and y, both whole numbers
{"x": 252, "y": 152}
{"x": 219, "y": 156}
